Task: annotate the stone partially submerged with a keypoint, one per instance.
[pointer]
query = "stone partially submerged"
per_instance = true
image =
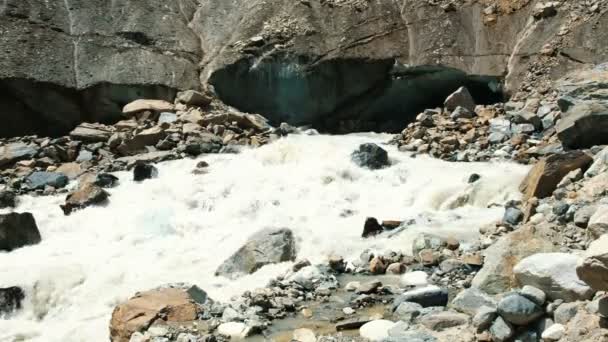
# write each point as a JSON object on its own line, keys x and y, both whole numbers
{"x": 269, "y": 246}
{"x": 18, "y": 230}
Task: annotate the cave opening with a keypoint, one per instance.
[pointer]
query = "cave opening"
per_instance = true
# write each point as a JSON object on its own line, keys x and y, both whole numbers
{"x": 344, "y": 95}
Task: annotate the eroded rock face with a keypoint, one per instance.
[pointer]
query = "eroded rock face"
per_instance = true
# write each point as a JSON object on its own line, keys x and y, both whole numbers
{"x": 96, "y": 59}
{"x": 269, "y": 246}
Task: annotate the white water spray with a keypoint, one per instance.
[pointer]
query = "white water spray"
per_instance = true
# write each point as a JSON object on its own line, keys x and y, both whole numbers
{"x": 180, "y": 226}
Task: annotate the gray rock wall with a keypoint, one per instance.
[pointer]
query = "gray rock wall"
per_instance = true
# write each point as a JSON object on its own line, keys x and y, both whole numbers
{"x": 67, "y": 61}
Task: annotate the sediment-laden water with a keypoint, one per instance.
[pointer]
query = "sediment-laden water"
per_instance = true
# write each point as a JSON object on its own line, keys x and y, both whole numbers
{"x": 180, "y": 226}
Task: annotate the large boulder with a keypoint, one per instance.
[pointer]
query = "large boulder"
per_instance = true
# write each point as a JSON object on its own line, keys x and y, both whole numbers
{"x": 496, "y": 275}
{"x": 165, "y": 305}
{"x": 593, "y": 268}
{"x": 18, "y": 230}
{"x": 584, "y": 119}
{"x": 555, "y": 274}
{"x": 544, "y": 177}
{"x": 268, "y": 246}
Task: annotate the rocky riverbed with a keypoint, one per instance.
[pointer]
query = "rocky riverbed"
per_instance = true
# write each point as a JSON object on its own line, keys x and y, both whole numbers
{"x": 154, "y": 213}
{"x": 487, "y": 251}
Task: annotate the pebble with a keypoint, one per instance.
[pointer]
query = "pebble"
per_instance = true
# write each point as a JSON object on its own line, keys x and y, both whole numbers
{"x": 376, "y": 330}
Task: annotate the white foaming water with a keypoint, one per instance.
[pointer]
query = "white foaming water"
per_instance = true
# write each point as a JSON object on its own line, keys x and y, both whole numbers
{"x": 180, "y": 226}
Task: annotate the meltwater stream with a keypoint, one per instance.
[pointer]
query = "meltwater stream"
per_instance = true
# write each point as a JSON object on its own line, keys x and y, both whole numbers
{"x": 179, "y": 227}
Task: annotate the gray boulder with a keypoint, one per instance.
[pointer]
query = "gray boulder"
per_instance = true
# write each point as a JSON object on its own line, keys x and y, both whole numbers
{"x": 269, "y": 246}
{"x": 519, "y": 310}
{"x": 496, "y": 275}
{"x": 41, "y": 179}
{"x": 18, "y": 230}
{"x": 554, "y": 274}
{"x": 370, "y": 156}
{"x": 443, "y": 320}
{"x": 484, "y": 317}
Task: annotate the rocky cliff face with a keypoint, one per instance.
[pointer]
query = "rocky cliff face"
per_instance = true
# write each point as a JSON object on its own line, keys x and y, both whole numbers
{"x": 309, "y": 61}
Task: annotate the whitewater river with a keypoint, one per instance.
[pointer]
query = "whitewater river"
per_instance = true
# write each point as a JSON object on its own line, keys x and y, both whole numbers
{"x": 179, "y": 227}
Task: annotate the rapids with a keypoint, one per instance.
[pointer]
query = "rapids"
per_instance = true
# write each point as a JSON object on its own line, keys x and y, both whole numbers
{"x": 179, "y": 227}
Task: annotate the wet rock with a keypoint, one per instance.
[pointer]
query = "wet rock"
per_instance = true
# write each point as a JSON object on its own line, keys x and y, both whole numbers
{"x": 145, "y": 308}
{"x": 18, "y": 230}
{"x": 443, "y": 320}
{"x": 593, "y": 269}
{"x": 244, "y": 121}
{"x": 554, "y": 333}
{"x": 85, "y": 196}
{"x": 14, "y": 152}
{"x": 370, "y": 156}
{"x": 193, "y": 98}
{"x": 427, "y": 241}
{"x": 544, "y": 177}
{"x": 376, "y": 330}
{"x": 143, "y": 171}
{"x": 8, "y": 199}
{"x": 10, "y": 300}
{"x": 518, "y": 310}
{"x": 106, "y": 180}
{"x": 42, "y": 179}
{"x": 501, "y": 330}
{"x": 554, "y": 274}
{"x": 469, "y": 300}
{"x": 473, "y": 178}
{"x": 138, "y": 106}
{"x": 426, "y": 296}
{"x": 391, "y": 224}
{"x": 91, "y": 133}
{"x": 269, "y": 246}
{"x": 484, "y": 317}
{"x": 371, "y": 227}
{"x": 460, "y": 98}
